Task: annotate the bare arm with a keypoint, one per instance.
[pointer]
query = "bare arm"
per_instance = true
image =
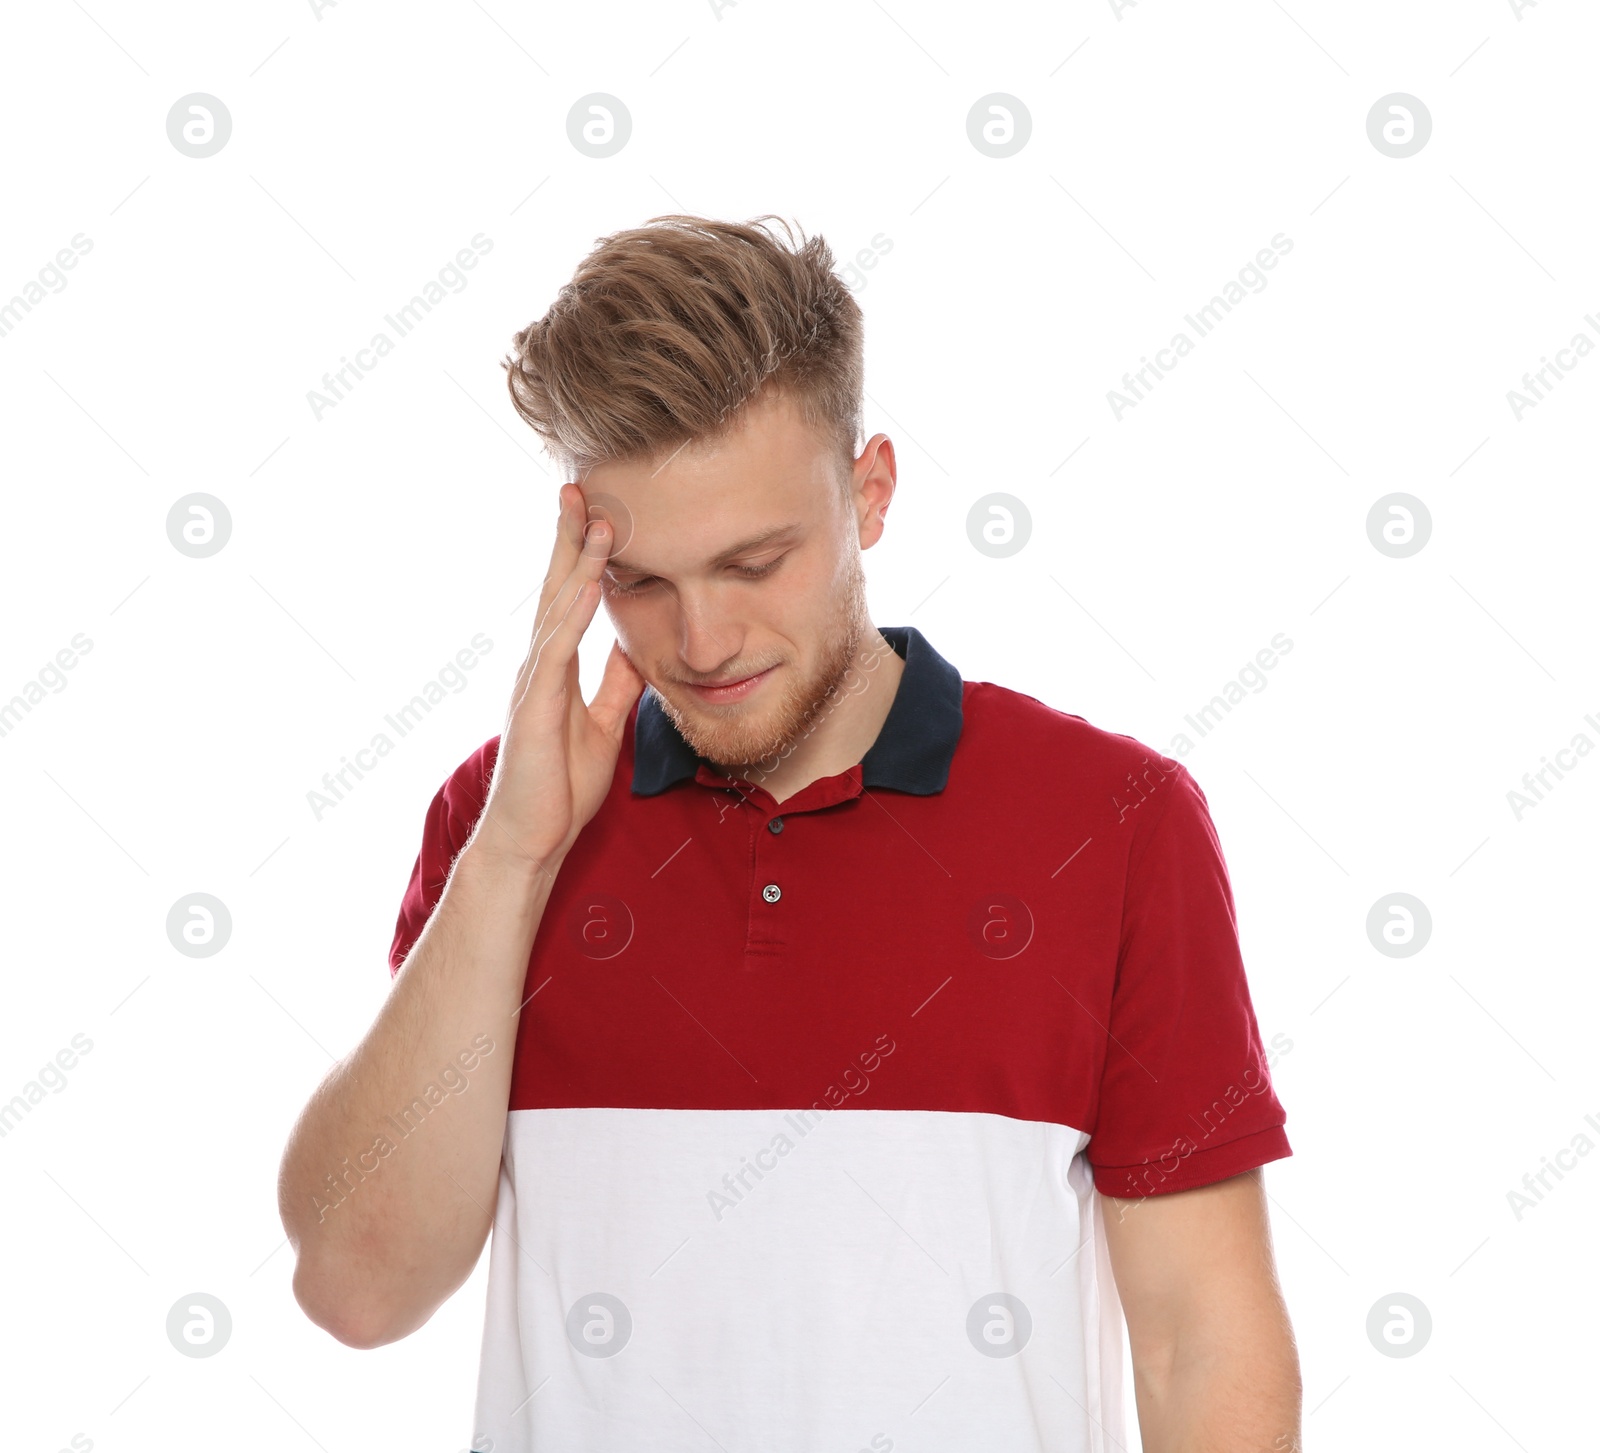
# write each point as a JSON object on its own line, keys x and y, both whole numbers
{"x": 1214, "y": 1359}
{"x": 406, "y": 1219}
{"x": 414, "y": 1176}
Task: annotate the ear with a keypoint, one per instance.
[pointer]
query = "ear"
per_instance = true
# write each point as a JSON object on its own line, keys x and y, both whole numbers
{"x": 873, "y": 488}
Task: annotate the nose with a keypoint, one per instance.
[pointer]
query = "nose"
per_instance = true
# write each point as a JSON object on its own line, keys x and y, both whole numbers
{"x": 709, "y": 641}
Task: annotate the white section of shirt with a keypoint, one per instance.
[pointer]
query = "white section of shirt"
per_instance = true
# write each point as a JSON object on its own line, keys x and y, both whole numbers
{"x": 770, "y": 1281}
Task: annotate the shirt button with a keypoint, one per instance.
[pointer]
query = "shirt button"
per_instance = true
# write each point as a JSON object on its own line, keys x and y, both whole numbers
{"x": 776, "y": 825}
{"x": 772, "y": 892}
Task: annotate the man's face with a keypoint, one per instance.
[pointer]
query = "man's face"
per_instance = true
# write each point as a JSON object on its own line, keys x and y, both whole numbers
{"x": 734, "y": 561}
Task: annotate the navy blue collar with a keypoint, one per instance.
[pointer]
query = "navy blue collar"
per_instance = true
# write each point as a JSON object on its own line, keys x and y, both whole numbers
{"x": 912, "y": 752}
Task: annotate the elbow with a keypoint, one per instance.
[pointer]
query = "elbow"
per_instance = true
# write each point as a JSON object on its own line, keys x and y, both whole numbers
{"x": 357, "y": 1322}
{"x": 335, "y": 1285}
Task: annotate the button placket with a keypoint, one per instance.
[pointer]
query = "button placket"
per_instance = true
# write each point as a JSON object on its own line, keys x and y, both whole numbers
{"x": 772, "y": 892}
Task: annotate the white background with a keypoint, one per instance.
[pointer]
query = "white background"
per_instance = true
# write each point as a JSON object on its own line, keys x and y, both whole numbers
{"x": 1169, "y": 144}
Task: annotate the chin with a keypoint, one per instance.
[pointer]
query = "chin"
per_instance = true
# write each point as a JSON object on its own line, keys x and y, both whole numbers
{"x": 728, "y": 735}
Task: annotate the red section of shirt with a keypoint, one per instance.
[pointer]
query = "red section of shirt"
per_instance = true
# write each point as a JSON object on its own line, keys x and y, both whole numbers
{"x": 1050, "y": 937}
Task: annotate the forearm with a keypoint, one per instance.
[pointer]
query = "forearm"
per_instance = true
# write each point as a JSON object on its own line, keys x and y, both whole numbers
{"x": 1235, "y": 1394}
{"x": 388, "y": 1183}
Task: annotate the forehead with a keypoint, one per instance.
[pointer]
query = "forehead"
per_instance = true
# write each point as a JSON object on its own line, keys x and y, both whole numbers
{"x": 690, "y": 504}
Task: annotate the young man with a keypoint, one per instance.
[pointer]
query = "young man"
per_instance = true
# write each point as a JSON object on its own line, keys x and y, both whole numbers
{"x": 839, "y": 1048}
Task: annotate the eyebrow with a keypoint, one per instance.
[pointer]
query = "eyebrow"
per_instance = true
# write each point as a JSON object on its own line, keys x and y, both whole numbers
{"x": 776, "y": 534}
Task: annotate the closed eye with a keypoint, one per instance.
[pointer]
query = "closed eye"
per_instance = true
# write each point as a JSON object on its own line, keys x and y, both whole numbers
{"x": 744, "y": 572}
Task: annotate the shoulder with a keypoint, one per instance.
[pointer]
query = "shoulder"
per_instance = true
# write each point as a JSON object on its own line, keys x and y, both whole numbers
{"x": 1071, "y": 769}
{"x": 1004, "y": 720}
{"x": 465, "y": 790}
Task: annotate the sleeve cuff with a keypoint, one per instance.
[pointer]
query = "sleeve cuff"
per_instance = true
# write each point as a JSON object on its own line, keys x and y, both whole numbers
{"x": 1175, "y": 1171}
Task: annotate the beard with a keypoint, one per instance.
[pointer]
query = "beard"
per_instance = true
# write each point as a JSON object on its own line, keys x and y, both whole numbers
{"x": 749, "y": 742}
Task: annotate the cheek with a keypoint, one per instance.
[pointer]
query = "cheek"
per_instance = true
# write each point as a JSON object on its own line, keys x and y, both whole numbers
{"x": 646, "y": 629}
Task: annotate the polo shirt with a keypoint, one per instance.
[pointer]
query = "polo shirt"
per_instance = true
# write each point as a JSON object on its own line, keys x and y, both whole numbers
{"x": 814, "y": 1105}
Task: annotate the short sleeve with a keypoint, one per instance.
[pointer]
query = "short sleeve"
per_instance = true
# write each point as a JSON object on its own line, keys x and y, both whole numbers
{"x": 1185, "y": 1097}
{"x": 451, "y": 816}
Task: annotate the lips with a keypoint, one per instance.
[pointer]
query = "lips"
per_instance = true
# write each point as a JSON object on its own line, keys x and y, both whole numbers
{"x": 730, "y": 690}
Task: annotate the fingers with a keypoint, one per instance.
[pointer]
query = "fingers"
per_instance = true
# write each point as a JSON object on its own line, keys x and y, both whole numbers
{"x": 570, "y": 612}
{"x": 565, "y": 550}
{"x": 566, "y": 553}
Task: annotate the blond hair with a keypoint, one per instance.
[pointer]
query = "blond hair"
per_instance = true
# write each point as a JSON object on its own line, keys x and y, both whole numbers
{"x": 667, "y": 331}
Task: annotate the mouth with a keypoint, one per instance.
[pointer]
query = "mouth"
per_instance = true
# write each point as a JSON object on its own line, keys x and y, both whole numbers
{"x": 730, "y": 690}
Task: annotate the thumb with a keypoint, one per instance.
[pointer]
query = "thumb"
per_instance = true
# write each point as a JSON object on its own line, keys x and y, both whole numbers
{"x": 620, "y": 687}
